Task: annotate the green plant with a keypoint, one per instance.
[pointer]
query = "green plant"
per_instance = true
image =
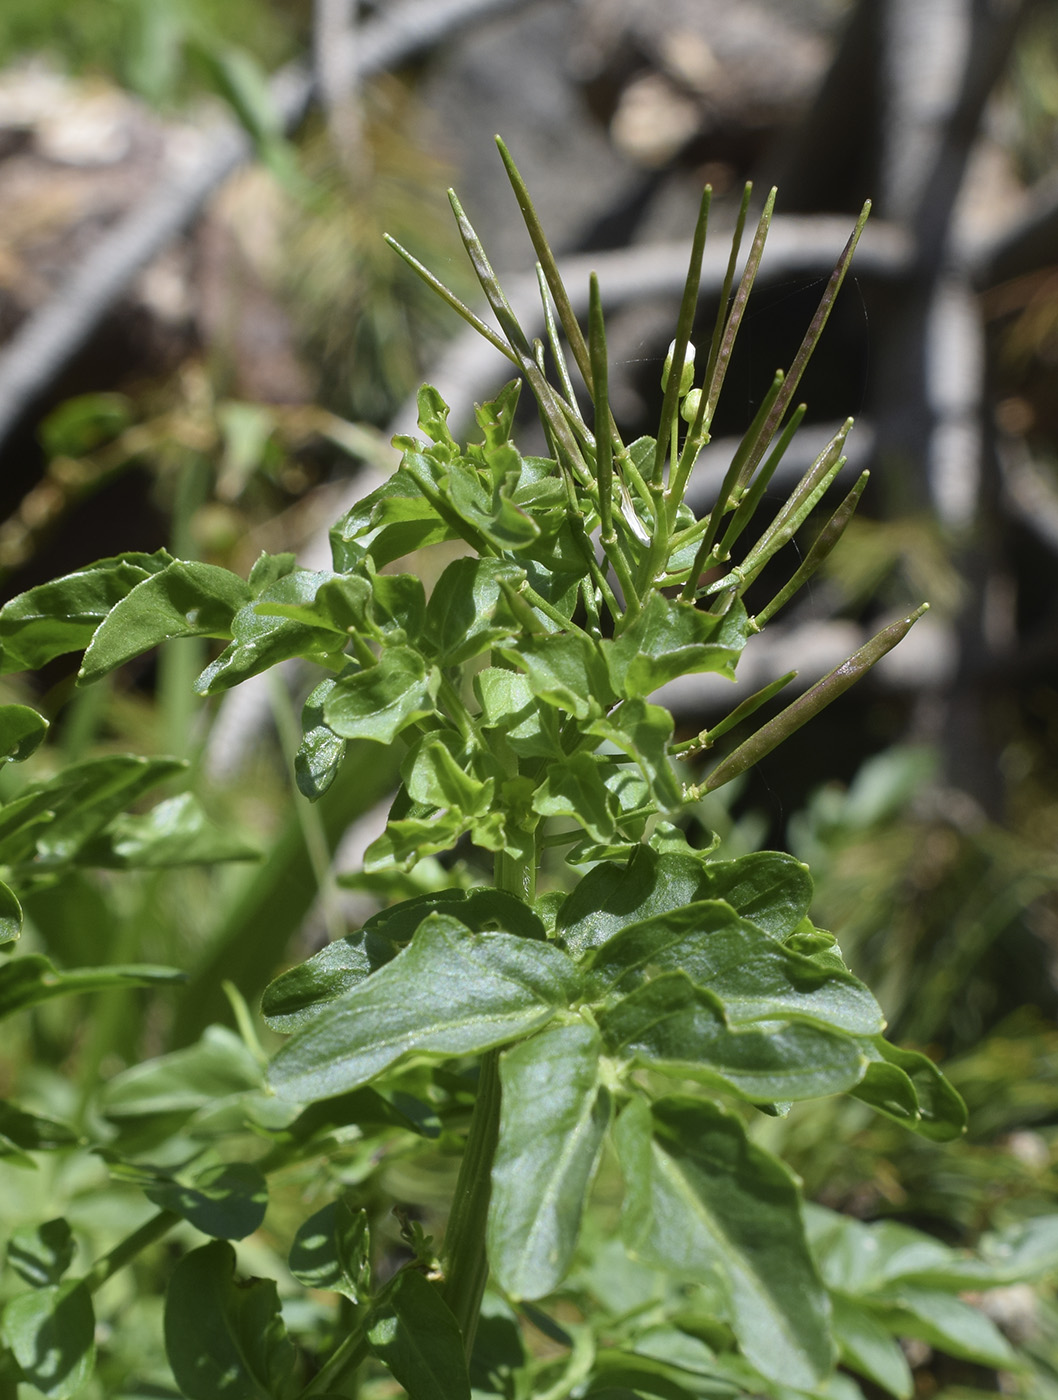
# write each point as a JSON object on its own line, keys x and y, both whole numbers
{"x": 638, "y": 1027}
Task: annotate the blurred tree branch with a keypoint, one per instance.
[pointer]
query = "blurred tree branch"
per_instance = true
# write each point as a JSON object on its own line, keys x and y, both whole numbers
{"x": 46, "y": 342}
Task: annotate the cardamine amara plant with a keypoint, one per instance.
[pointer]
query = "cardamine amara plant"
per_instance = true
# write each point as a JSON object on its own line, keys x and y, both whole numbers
{"x": 637, "y": 1029}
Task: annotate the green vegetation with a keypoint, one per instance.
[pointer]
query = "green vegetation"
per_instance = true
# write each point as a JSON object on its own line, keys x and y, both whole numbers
{"x": 577, "y": 1037}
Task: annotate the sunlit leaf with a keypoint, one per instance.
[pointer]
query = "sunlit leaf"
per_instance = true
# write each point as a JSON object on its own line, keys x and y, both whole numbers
{"x": 381, "y": 701}
{"x": 908, "y": 1086}
{"x": 553, "y": 1117}
{"x": 699, "y": 1197}
{"x": 51, "y": 1331}
{"x": 450, "y": 992}
{"x": 61, "y": 616}
{"x": 183, "y": 600}
{"x": 670, "y": 1024}
{"x": 752, "y": 976}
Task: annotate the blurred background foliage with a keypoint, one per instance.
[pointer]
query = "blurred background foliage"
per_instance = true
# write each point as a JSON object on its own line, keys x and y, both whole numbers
{"x": 248, "y": 376}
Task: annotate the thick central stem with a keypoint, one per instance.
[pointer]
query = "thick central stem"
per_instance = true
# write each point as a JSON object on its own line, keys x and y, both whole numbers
{"x": 463, "y": 1259}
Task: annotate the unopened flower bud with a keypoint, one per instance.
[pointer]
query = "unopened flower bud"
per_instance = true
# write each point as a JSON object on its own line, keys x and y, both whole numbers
{"x": 687, "y": 375}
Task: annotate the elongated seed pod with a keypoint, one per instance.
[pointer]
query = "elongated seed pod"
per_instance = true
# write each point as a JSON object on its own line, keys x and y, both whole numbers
{"x": 808, "y": 705}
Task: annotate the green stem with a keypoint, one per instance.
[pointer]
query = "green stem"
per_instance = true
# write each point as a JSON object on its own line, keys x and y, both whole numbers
{"x": 345, "y": 1358}
{"x": 127, "y": 1249}
{"x": 463, "y": 1260}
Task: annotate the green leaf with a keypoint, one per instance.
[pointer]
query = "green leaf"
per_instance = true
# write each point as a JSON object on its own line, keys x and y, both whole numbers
{"x": 574, "y": 788}
{"x": 1020, "y": 1251}
{"x": 407, "y": 840}
{"x": 81, "y": 424}
{"x": 499, "y": 518}
{"x": 398, "y": 602}
{"x": 299, "y": 995}
{"x": 79, "y": 802}
{"x": 433, "y": 417}
{"x": 321, "y": 1127}
{"x": 857, "y": 1259}
{"x": 508, "y": 703}
{"x": 21, "y": 732}
{"x": 334, "y": 602}
{"x": 612, "y": 896}
{"x": 41, "y": 1254}
{"x": 450, "y": 992}
{"x": 945, "y": 1322}
{"x": 175, "y": 832}
{"x": 215, "y": 1068}
{"x": 381, "y": 701}
{"x": 753, "y": 977}
{"x": 701, "y": 1198}
{"x": 22, "y": 1132}
{"x": 29, "y": 980}
{"x": 183, "y": 600}
{"x": 412, "y": 1331}
{"x": 321, "y": 752}
{"x": 672, "y": 1025}
{"x": 227, "y": 1201}
{"x": 565, "y": 669}
{"x": 553, "y": 1116}
{"x": 439, "y": 771}
{"x": 869, "y": 1348}
{"x": 225, "y": 1340}
{"x": 644, "y": 733}
{"x": 61, "y": 616}
{"x": 332, "y": 1250}
{"x": 481, "y": 909}
{"x": 672, "y": 638}
{"x": 262, "y": 635}
{"x": 496, "y": 418}
{"x": 51, "y": 1332}
{"x": 392, "y": 521}
{"x": 908, "y": 1086}
{"x": 1012, "y": 1255}
{"x": 467, "y": 612}
{"x": 770, "y": 888}
{"x": 10, "y": 914}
